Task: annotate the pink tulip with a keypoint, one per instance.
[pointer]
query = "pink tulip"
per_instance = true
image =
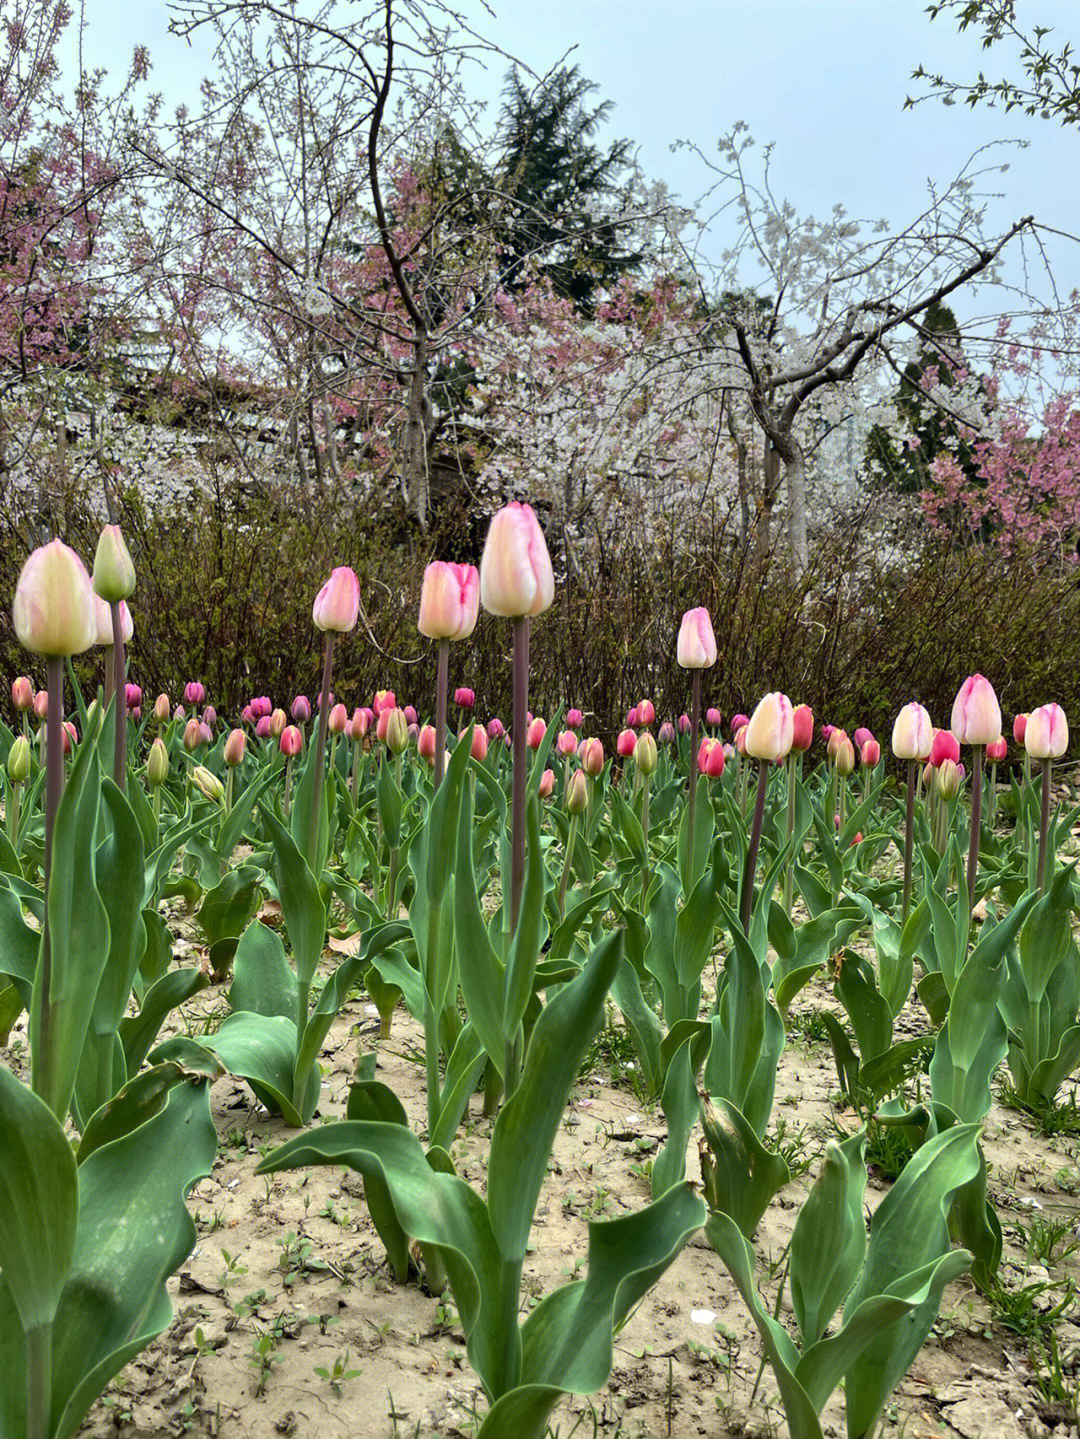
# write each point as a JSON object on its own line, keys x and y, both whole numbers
{"x": 547, "y": 783}
{"x": 696, "y": 648}
{"x": 54, "y": 606}
{"x": 291, "y": 741}
{"x": 997, "y": 750}
{"x": 22, "y": 694}
{"x": 479, "y": 746}
{"x": 425, "y": 743}
{"x": 827, "y": 732}
{"x": 383, "y": 700}
{"x": 710, "y": 758}
{"x": 534, "y": 735}
{"x": 769, "y": 733}
{"x": 836, "y": 738}
{"x": 624, "y": 745}
{"x": 646, "y": 713}
{"x": 410, "y": 714}
{"x": 278, "y": 723}
{"x": 248, "y": 715}
{"x": 337, "y": 605}
{"x": 192, "y": 735}
{"x": 162, "y": 708}
{"x": 1020, "y": 728}
{"x": 495, "y": 728}
{"x": 464, "y": 698}
{"x": 235, "y": 746}
{"x": 358, "y": 725}
{"x": 740, "y": 739}
{"x": 136, "y": 713}
{"x": 913, "y": 734}
{"x": 802, "y": 728}
{"x": 338, "y": 719}
{"x": 944, "y": 747}
{"x": 262, "y": 727}
{"x": 71, "y": 736}
{"x": 713, "y": 717}
{"x": 1046, "y": 735}
{"x": 738, "y": 722}
{"x": 41, "y": 704}
{"x": 574, "y": 719}
{"x": 666, "y": 733}
{"x": 592, "y": 757}
{"x": 870, "y": 753}
{"x": 976, "y": 714}
{"x": 516, "y": 577}
{"x": 632, "y": 718}
{"x": 301, "y": 709}
{"x": 209, "y": 716}
{"x": 449, "y": 600}
{"x": 566, "y": 744}
{"x": 684, "y": 724}
{"x": 132, "y": 696}
{"x": 262, "y": 706}
{"x": 194, "y": 693}
{"x": 179, "y": 712}
{"x": 861, "y": 735}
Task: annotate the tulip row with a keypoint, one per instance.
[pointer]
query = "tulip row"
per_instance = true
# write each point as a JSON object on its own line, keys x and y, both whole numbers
{"x": 503, "y": 925}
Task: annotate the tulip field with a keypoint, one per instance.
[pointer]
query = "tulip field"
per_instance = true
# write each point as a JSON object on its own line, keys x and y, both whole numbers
{"x": 382, "y": 1069}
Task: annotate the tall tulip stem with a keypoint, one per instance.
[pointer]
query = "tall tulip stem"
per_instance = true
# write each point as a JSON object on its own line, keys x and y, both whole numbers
{"x": 40, "y": 1056}
{"x": 909, "y": 826}
{"x": 442, "y": 668}
{"x": 320, "y": 747}
{"x": 517, "y": 821}
{"x": 976, "y": 820}
{"x": 789, "y": 870}
{"x": 695, "y": 725}
{"x": 747, "y": 905}
{"x": 120, "y": 694}
{"x": 1044, "y": 825}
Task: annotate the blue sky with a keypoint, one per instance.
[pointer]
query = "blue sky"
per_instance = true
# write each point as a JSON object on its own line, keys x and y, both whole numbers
{"x": 823, "y": 79}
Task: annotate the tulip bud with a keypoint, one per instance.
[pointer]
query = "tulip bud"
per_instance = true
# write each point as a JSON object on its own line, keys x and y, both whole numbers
{"x": 162, "y": 708}
{"x": 547, "y": 783}
{"x": 802, "y": 728}
{"x": 301, "y": 709}
{"x": 534, "y": 736}
{"x": 449, "y": 600}
{"x": 837, "y": 736}
{"x": 339, "y": 718}
{"x": 713, "y": 717}
{"x": 646, "y": 712}
{"x": 41, "y": 704}
{"x": 666, "y": 733}
{"x": 71, "y": 736}
{"x": 769, "y": 733}
{"x": 262, "y": 727}
{"x": 912, "y": 736}
{"x": 495, "y": 729}
{"x": 574, "y": 719}
{"x": 206, "y": 734}
{"x": 192, "y": 735}
{"x": 291, "y": 741}
{"x": 516, "y": 578}
{"x": 157, "y": 763}
{"x": 696, "y": 648}
{"x": 945, "y": 746}
{"x": 740, "y": 739}
{"x": 22, "y": 694}
{"x": 870, "y": 753}
{"x": 53, "y": 608}
{"x": 132, "y": 696}
{"x": 383, "y": 700}
{"x": 827, "y": 732}
{"x": 93, "y": 717}
{"x": 235, "y": 746}
{"x": 566, "y": 744}
{"x": 260, "y": 706}
{"x": 358, "y": 725}
{"x": 18, "y": 761}
{"x": 861, "y": 735}
{"x": 479, "y": 746}
{"x": 114, "y": 574}
{"x": 577, "y": 793}
{"x": 411, "y": 717}
{"x": 397, "y": 731}
{"x": 947, "y": 779}
{"x": 425, "y": 743}
{"x": 337, "y": 604}
{"x": 856, "y": 840}
{"x": 1020, "y": 728}
{"x": 645, "y": 755}
{"x": 632, "y": 718}
{"x": 194, "y": 692}
{"x": 845, "y": 757}
{"x": 278, "y": 721}
{"x": 976, "y": 714}
{"x": 710, "y": 758}
{"x": 208, "y": 784}
{"x": 464, "y": 698}
{"x": 1046, "y": 735}
{"x": 684, "y": 724}
{"x": 625, "y": 744}
{"x": 997, "y": 750}
{"x": 209, "y": 717}
{"x": 738, "y": 722}
{"x": 592, "y": 757}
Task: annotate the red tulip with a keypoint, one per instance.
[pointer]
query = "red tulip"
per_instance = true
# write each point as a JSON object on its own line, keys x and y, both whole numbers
{"x": 802, "y": 728}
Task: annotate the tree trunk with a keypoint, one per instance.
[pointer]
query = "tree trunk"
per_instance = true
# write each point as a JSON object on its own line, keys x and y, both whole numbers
{"x": 795, "y": 475}
{"x": 415, "y": 478}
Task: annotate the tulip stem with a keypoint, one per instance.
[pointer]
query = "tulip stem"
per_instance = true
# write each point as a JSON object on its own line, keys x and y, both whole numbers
{"x": 120, "y": 695}
{"x": 789, "y": 871}
{"x": 568, "y": 860}
{"x": 695, "y": 723}
{"x": 13, "y": 814}
{"x": 976, "y": 821}
{"x": 909, "y": 825}
{"x": 109, "y": 674}
{"x": 517, "y": 820}
{"x": 645, "y": 837}
{"x": 41, "y": 1041}
{"x": 320, "y": 749}
{"x": 747, "y": 906}
{"x": 442, "y": 667}
{"x": 39, "y": 1347}
{"x": 1044, "y": 826}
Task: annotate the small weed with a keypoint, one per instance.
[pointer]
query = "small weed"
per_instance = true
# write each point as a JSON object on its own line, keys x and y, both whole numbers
{"x": 296, "y": 1260}
{"x": 263, "y": 1358}
{"x": 1049, "y": 1120}
{"x": 1051, "y": 1241}
{"x": 1020, "y": 1310}
{"x": 887, "y": 1149}
{"x": 338, "y": 1373}
{"x": 233, "y": 1270}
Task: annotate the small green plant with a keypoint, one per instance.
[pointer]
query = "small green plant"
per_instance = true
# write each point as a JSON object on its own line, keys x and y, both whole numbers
{"x": 233, "y": 1270}
{"x": 263, "y": 1358}
{"x": 338, "y": 1373}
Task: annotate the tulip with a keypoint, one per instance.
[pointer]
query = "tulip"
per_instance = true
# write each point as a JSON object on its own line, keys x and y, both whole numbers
{"x": 262, "y": 727}
{"x": 53, "y": 608}
{"x": 577, "y": 793}
{"x": 913, "y": 734}
{"x": 696, "y": 648}
{"x": 710, "y": 759}
{"x": 300, "y": 709}
{"x": 574, "y": 719}
{"x": 1020, "y": 728}
{"x": 1046, "y": 738}
{"x": 449, "y": 600}
{"x": 192, "y": 735}
{"x": 947, "y": 778}
{"x": 945, "y": 746}
{"x": 70, "y": 736}
{"x": 626, "y": 743}
{"x": 132, "y": 697}
{"x": 547, "y": 783}
{"x": 291, "y": 741}
{"x": 684, "y": 724}
{"x": 592, "y": 757}
{"x": 425, "y": 743}
{"x": 278, "y": 721}
{"x": 666, "y": 733}
{"x": 770, "y": 730}
{"x": 194, "y": 693}
{"x": 738, "y": 722}
{"x": 646, "y": 712}
{"x": 209, "y": 717}
{"x": 261, "y": 706}
{"x": 411, "y": 717}
{"x": 802, "y": 728}
{"x": 837, "y": 737}
{"x": 162, "y": 709}
{"x": 22, "y": 694}
{"x": 178, "y": 712}
{"x": 827, "y": 732}
{"x": 976, "y": 721}
{"x": 566, "y": 743}
{"x": 534, "y": 735}
{"x": 234, "y": 747}
{"x": 464, "y": 698}
{"x": 861, "y": 735}
{"x": 157, "y": 763}
{"x": 495, "y": 728}
{"x": 383, "y": 700}
{"x": 713, "y": 717}
{"x": 516, "y": 577}
{"x": 632, "y": 718}
{"x": 997, "y": 750}
{"x": 478, "y": 746}
{"x": 397, "y": 731}
{"x": 18, "y": 761}
{"x": 645, "y": 754}
{"x": 740, "y": 739}
{"x": 208, "y": 784}
{"x": 339, "y": 718}
{"x": 844, "y": 758}
{"x": 337, "y": 605}
{"x": 870, "y": 753}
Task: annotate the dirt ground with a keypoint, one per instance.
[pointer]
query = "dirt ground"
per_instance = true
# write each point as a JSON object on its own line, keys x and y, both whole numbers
{"x": 289, "y": 1278}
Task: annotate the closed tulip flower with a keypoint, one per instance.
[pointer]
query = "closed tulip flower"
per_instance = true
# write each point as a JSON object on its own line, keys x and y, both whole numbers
{"x": 339, "y": 718}
{"x": 947, "y": 779}
{"x": 358, "y": 725}
{"x": 397, "y": 731}
{"x": 577, "y": 793}
{"x": 464, "y": 698}
{"x": 631, "y": 717}
{"x": 1047, "y": 733}
{"x": 192, "y": 735}
{"x": 696, "y": 648}
{"x": 209, "y": 716}
{"x": 1020, "y": 728}
{"x": 997, "y": 750}
{"x": 976, "y": 714}
{"x": 411, "y": 717}
{"x": 235, "y": 746}
{"x": 18, "y": 761}
{"x": 53, "y": 609}
{"x": 157, "y": 763}
{"x": 870, "y": 753}
{"x": 22, "y": 694}
{"x": 802, "y": 728}
{"x": 383, "y": 700}
{"x": 739, "y": 721}
{"x": 495, "y": 728}
{"x": 425, "y": 743}
{"x": 534, "y": 736}
{"x": 449, "y": 600}
{"x": 666, "y": 733}
{"x": 574, "y": 719}
{"x": 740, "y": 739}
{"x": 291, "y": 741}
{"x": 625, "y": 743}
{"x": 913, "y": 734}
{"x": 162, "y": 708}
{"x": 71, "y": 736}
{"x": 566, "y": 744}
{"x": 836, "y": 739}
{"x": 301, "y": 709}
{"x": 861, "y": 735}
{"x": 844, "y": 758}
{"x": 827, "y": 732}
{"x": 710, "y": 758}
{"x": 684, "y": 724}
{"x": 769, "y": 733}
{"x": 516, "y": 578}
{"x": 713, "y": 717}
{"x": 646, "y": 713}
{"x": 945, "y": 746}
{"x": 279, "y": 720}
{"x": 479, "y": 745}
{"x": 592, "y": 757}
{"x": 645, "y": 755}
{"x": 547, "y": 783}
{"x": 261, "y": 705}
{"x": 262, "y": 727}
{"x": 133, "y": 696}
{"x": 114, "y": 574}
{"x": 208, "y": 784}
{"x": 337, "y": 605}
